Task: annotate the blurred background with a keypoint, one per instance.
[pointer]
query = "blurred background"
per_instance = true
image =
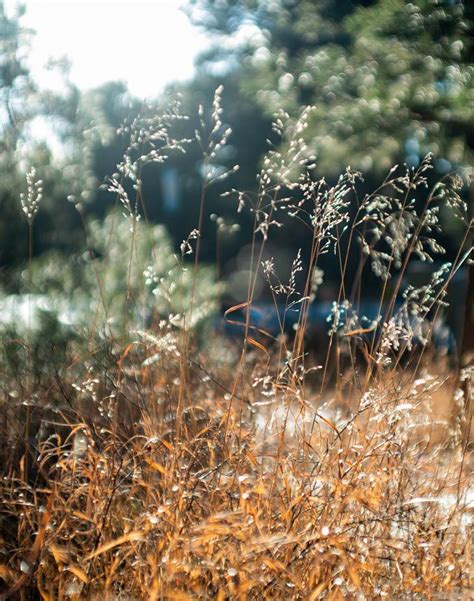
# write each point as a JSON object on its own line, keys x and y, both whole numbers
{"x": 390, "y": 80}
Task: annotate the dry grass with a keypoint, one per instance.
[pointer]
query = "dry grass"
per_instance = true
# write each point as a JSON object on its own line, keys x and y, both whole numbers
{"x": 164, "y": 469}
{"x": 237, "y": 500}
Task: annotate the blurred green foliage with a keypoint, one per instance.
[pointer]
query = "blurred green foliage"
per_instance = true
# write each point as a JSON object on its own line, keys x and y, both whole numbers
{"x": 390, "y": 80}
{"x": 124, "y": 280}
{"x": 94, "y": 303}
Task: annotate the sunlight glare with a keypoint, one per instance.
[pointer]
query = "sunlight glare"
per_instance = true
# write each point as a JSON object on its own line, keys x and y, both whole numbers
{"x": 147, "y": 43}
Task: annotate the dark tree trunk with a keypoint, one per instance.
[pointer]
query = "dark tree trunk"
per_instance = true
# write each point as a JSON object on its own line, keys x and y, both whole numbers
{"x": 467, "y": 345}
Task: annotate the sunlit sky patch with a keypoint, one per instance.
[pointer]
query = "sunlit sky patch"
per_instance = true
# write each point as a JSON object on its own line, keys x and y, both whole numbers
{"x": 147, "y": 43}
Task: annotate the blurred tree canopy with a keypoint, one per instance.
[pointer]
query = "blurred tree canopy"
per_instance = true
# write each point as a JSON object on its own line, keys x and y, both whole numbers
{"x": 22, "y": 108}
{"x": 390, "y": 80}
{"x": 80, "y": 145}
{"x": 66, "y": 134}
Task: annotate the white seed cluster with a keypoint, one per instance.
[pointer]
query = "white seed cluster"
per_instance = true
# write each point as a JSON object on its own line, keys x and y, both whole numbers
{"x": 31, "y": 200}
{"x": 213, "y": 141}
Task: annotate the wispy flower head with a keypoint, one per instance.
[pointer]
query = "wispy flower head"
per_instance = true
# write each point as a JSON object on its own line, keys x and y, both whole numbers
{"x": 31, "y": 200}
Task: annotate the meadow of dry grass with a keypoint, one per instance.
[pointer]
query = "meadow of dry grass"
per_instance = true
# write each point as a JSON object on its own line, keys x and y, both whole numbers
{"x": 229, "y": 499}
{"x": 163, "y": 466}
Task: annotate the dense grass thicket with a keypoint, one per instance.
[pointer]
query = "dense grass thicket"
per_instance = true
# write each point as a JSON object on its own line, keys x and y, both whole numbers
{"x": 147, "y": 454}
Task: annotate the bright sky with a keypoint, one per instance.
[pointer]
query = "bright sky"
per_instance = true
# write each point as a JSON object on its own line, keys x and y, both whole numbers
{"x": 147, "y": 43}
